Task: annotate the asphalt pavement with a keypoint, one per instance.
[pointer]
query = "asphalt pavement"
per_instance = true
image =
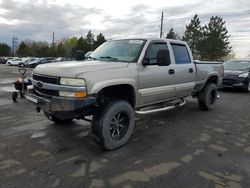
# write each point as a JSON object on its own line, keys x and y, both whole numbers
{"x": 182, "y": 148}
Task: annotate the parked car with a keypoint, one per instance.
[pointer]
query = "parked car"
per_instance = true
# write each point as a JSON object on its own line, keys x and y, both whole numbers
{"x": 15, "y": 61}
{"x": 31, "y": 62}
{"x": 237, "y": 74}
{"x": 3, "y": 60}
{"x": 124, "y": 77}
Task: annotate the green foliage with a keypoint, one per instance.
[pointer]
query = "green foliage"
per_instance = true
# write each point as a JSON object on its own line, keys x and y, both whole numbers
{"x": 100, "y": 39}
{"x": 4, "y": 49}
{"x": 209, "y": 42}
{"x": 193, "y": 35}
{"x": 214, "y": 44}
{"x": 64, "y": 48}
{"x": 171, "y": 34}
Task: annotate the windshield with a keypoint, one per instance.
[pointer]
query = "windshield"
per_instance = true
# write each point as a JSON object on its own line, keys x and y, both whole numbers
{"x": 119, "y": 50}
{"x": 237, "y": 65}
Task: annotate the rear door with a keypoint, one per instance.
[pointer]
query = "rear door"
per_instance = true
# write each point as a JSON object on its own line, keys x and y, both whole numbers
{"x": 185, "y": 71}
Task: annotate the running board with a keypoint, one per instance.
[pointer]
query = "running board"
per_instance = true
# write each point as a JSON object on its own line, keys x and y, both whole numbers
{"x": 182, "y": 102}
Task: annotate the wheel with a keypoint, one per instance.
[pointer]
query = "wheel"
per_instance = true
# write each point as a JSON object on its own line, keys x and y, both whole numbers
{"x": 57, "y": 120}
{"x": 21, "y": 65}
{"x": 207, "y": 97}
{"x": 9, "y": 64}
{"x": 113, "y": 124}
{"x": 14, "y": 96}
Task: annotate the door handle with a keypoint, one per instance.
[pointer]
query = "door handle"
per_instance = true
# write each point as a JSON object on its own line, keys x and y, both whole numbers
{"x": 191, "y": 70}
{"x": 171, "y": 71}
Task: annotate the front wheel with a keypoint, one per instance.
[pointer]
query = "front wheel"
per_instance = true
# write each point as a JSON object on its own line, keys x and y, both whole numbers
{"x": 207, "y": 97}
{"x": 113, "y": 124}
{"x": 57, "y": 120}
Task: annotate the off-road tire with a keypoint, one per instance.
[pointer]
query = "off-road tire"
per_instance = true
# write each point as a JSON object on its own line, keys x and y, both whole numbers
{"x": 109, "y": 133}
{"x": 207, "y": 97}
{"x": 57, "y": 120}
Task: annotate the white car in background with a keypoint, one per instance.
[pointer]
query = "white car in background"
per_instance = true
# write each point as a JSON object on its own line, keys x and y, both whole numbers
{"x": 15, "y": 61}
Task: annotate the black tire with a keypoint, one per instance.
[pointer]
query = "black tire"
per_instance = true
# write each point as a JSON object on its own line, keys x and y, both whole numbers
{"x": 14, "y": 96}
{"x": 9, "y": 64}
{"x": 57, "y": 120}
{"x": 21, "y": 65}
{"x": 113, "y": 124}
{"x": 207, "y": 97}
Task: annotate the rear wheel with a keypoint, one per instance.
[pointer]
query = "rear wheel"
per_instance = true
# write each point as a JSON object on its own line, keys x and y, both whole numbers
{"x": 207, "y": 97}
{"x": 113, "y": 124}
{"x": 57, "y": 120}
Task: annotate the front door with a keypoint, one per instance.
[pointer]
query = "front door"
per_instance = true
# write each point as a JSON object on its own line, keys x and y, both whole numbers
{"x": 155, "y": 82}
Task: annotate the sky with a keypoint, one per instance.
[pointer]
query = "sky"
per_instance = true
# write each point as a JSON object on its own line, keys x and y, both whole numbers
{"x": 36, "y": 20}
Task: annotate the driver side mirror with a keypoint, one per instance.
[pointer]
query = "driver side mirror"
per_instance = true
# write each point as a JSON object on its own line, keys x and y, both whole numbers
{"x": 163, "y": 58}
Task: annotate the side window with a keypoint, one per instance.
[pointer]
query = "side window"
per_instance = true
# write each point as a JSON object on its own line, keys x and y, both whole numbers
{"x": 152, "y": 50}
{"x": 181, "y": 54}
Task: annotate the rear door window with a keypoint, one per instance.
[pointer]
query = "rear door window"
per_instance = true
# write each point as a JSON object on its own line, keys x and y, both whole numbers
{"x": 181, "y": 54}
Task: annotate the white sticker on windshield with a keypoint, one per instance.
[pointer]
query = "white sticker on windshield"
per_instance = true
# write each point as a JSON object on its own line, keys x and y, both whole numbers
{"x": 136, "y": 41}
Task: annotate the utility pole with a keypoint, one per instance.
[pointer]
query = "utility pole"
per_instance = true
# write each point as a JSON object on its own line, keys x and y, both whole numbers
{"x": 53, "y": 38}
{"x": 14, "y": 44}
{"x": 161, "y": 32}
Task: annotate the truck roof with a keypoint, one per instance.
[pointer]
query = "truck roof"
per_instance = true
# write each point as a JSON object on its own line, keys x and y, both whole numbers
{"x": 151, "y": 39}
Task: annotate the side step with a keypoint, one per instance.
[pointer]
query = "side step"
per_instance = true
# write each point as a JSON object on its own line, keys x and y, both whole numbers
{"x": 166, "y": 108}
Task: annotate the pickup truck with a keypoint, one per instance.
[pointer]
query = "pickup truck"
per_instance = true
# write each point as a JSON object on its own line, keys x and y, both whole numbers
{"x": 122, "y": 78}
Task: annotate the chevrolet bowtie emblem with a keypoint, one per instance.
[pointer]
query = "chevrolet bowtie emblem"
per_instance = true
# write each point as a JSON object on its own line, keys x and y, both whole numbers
{"x": 39, "y": 84}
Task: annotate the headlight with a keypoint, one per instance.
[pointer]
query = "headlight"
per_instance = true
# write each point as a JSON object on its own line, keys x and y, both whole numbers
{"x": 72, "y": 82}
{"x": 244, "y": 75}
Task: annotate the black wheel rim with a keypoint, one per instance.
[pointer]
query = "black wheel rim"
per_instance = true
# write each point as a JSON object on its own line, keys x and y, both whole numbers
{"x": 212, "y": 97}
{"x": 119, "y": 126}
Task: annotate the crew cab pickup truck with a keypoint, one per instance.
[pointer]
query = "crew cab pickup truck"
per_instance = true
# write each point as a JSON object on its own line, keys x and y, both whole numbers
{"x": 122, "y": 78}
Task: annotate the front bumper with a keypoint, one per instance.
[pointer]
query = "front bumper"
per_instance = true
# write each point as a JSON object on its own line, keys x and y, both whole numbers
{"x": 235, "y": 83}
{"x": 63, "y": 107}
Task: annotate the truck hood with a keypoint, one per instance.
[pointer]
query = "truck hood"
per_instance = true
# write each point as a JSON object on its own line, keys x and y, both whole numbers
{"x": 73, "y": 68}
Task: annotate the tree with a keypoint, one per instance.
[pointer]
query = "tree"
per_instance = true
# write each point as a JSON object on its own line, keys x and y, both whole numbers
{"x": 193, "y": 35}
{"x": 61, "y": 51}
{"x": 89, "y": 41}
{"x": 100, "y": 39}
{"x": 23, "y": 49}
{"x": 4, "y": 49}
{"x": 70, "y": 45}
{"x": 171, "y": 34}
{"x": 214, "y": 44}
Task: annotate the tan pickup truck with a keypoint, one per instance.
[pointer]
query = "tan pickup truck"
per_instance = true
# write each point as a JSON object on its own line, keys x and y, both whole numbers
{"x": 121, "y": 78}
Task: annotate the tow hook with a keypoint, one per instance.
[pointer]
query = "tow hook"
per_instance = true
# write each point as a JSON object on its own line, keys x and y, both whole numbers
{"x": 37, "y": 109}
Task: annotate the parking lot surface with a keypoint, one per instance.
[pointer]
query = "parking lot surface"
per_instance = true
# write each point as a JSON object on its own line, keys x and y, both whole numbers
{"x": 182, "y": 148}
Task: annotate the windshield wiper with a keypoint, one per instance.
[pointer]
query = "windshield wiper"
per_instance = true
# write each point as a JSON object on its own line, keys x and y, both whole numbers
{"x": 111, "y": 58}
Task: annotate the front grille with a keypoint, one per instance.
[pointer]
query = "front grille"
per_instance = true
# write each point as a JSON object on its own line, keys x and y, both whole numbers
{"x": 46, "y": 91}
{"x": 46, "y": 79}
